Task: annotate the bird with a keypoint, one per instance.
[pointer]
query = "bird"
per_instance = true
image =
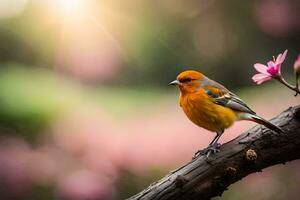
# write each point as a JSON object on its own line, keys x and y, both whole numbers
{"x": 209, "y": 105}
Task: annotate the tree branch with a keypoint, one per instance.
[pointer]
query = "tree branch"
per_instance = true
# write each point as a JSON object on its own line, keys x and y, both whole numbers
{"x": 252, "y": 151}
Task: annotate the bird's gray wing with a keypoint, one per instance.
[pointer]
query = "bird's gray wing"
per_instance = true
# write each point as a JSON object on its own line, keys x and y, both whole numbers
{"x": 224, "y": 97}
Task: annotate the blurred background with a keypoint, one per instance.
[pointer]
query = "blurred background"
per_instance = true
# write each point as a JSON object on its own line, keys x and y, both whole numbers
{"x": 85, "y": 107}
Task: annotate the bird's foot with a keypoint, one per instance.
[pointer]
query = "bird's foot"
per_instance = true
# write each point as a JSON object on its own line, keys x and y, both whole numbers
{"x": 211, "y": 149}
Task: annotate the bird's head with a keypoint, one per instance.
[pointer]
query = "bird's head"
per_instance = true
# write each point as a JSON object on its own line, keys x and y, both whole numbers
{"x": 188, "y": 81}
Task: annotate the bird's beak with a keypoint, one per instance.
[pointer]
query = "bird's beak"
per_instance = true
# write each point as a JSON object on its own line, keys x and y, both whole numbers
{"x": 176, "y": 82}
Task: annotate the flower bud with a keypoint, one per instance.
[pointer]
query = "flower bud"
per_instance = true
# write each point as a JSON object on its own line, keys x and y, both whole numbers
{"x": 297, "y": 66}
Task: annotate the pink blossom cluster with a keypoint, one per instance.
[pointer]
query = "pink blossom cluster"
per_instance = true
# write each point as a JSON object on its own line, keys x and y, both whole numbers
{"x": 273, "y": 71}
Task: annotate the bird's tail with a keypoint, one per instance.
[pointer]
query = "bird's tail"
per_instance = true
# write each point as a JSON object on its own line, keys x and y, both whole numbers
{"x": 262, "y": 121}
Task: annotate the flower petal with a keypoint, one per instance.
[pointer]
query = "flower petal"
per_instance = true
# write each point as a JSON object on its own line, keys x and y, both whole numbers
{"x": 281, "y": 57}
{"x": 271, "y": 64}
{"x": 260, "y": 78}
{"x": 279, "y": 69}
{"x": 261, "y": 68}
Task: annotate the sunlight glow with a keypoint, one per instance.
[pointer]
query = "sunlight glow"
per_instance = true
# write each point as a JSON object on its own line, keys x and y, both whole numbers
{"x": 69, "y": 9}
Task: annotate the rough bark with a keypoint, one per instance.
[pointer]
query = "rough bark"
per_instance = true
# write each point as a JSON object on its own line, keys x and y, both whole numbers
{"x": 252, "y": 151}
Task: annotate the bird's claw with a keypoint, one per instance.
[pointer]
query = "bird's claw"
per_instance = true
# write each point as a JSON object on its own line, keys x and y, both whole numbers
{"x": 211, "y": 149}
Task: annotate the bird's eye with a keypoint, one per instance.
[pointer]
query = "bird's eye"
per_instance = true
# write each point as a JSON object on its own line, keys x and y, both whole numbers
{"x": 186, "y": 80}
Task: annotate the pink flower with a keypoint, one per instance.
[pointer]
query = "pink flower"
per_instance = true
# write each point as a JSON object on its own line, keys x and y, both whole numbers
{"x": 297, "y": 65}
{"x": 269, "y": 71}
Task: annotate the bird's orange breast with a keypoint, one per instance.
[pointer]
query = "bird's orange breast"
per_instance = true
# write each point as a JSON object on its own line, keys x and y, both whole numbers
{"x": 201, "y": 110}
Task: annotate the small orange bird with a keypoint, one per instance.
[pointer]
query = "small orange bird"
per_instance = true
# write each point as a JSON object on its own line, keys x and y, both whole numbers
{"x": 211, "y": 106}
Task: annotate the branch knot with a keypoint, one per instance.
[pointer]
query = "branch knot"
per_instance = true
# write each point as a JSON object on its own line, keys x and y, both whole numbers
{"x": 180, "y": 181}
{"x": 251, "y": 155}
